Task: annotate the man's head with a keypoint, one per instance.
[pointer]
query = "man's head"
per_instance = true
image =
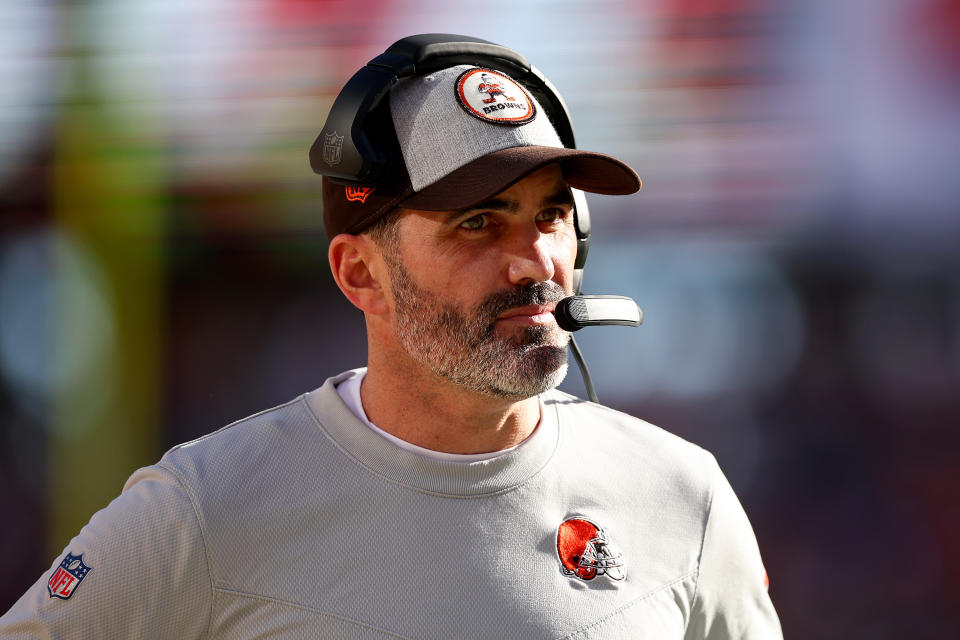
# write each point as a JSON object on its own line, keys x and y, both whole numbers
{"x": 458, "y": 255}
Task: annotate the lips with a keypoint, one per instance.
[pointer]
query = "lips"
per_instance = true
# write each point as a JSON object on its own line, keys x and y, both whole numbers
{"x": 533, "y": 314}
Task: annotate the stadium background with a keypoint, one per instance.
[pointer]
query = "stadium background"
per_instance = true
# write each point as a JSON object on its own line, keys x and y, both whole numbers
{"x": 795, "y": 249}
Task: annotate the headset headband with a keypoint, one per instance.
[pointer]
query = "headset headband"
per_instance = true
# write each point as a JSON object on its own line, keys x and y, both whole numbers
{"x": 365, "y": 158}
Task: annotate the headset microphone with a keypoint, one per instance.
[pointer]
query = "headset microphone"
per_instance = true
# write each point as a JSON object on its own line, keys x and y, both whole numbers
{"x": 577, "y": 312}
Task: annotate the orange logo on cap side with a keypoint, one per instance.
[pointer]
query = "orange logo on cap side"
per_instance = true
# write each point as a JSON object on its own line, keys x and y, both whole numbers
{"x": 358, "y": 194}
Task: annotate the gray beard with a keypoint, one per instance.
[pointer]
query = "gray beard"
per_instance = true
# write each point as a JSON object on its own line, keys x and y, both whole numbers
{"x": 467, "y": 350}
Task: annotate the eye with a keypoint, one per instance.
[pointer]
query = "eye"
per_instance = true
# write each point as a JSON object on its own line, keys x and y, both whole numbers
{"x": 476, "y": 223}
{"x": 553, "y": 214}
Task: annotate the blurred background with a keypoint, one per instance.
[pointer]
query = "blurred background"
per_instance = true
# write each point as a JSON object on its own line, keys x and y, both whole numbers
{"x": 795, "y": 249}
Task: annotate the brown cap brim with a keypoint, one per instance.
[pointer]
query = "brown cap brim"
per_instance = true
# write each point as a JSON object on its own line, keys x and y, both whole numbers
{"x": 353, "y": 209}
{"x": 488, "y": 175}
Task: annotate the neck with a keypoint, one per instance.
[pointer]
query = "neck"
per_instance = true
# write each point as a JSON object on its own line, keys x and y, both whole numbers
{"x": 414, "y": 404}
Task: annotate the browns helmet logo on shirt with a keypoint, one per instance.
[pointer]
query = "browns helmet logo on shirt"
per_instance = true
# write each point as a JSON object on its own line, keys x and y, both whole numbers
{"x": 585, "y": 551}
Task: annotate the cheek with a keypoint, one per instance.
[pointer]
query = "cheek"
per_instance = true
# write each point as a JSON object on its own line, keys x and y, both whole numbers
{"x": 448, "y": 283}
{"x": 566, "y": 254}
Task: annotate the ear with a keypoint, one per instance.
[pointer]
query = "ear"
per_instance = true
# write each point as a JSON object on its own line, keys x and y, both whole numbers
{"x": 358, "y": 268}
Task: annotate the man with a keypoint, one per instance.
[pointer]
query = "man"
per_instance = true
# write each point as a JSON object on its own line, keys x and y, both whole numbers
{"x": 446, "y": 490}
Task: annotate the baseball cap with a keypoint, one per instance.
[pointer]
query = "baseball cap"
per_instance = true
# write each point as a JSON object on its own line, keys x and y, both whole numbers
{"x": 466, "y": 133}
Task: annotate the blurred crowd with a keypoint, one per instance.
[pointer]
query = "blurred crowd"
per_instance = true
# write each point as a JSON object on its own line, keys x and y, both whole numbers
{"x": 795, "y": 248}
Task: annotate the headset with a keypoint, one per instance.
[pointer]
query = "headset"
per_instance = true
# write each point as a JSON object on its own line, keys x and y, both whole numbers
{"x": 371, "y": 151}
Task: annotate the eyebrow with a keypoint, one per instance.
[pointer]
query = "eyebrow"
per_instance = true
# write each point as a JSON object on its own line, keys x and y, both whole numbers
{"x": 562, "y": 196}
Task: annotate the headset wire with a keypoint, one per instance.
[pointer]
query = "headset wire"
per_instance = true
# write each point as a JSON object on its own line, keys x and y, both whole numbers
{"x": 584, "y": 371}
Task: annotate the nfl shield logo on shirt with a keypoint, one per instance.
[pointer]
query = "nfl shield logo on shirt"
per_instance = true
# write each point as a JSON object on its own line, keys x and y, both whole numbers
{"x": 67, "y": 577}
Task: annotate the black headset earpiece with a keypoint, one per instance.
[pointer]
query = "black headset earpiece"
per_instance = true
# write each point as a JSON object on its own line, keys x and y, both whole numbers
{"x": 368, "y": 149}
{"x": 581, "y": 223}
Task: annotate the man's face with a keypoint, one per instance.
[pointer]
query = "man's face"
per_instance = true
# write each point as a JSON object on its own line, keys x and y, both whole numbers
{"x": 474, "y": 290}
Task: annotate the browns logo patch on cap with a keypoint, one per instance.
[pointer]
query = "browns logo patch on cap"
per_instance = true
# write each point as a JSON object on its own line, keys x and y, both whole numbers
{"x": 495, "y": 97}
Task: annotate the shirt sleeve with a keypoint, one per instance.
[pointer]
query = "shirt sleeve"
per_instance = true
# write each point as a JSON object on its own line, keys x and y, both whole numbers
{"x": 138, "y": 569}
{"x": 732, "y": 598}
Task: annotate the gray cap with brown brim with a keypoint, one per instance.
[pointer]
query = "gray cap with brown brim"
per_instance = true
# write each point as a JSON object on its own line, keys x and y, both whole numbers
{"x": 466, "y": 134}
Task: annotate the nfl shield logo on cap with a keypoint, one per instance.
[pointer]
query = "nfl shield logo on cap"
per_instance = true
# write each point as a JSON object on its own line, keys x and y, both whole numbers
{"x": 67, "y": 577}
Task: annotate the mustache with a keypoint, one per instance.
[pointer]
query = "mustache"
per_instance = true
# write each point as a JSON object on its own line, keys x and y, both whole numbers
{"x": 531, "y": 294}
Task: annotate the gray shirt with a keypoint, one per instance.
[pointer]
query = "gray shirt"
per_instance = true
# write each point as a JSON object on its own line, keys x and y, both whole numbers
{"x": 302, "y": 522}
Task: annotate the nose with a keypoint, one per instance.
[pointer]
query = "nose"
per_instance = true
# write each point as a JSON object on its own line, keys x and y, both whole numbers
{"x": 530, "y": 259}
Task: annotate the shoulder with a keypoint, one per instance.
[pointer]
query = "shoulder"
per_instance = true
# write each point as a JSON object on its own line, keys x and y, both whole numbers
{"x": 229, "y": 475}
{"x": 240, "y": 446}
{"x": 625, "y": 441}
{"x": 586, "y": 414}
{"x": 252, "y": 426}
{"x": 265, "y": 439}
{"x": 260, "y": 461}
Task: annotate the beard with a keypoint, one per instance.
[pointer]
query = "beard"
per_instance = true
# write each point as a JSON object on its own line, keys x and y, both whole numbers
{"x": 466, "y": 349}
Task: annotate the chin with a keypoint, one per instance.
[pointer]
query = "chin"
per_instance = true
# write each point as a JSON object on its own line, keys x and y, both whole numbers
{"x": 542, "y": 369}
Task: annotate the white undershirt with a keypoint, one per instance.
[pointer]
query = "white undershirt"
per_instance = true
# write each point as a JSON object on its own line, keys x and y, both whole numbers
{"x": 349, "y": 391}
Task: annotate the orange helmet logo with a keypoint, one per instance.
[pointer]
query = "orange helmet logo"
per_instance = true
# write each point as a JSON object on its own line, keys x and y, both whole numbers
{"x": 585, "y": 552}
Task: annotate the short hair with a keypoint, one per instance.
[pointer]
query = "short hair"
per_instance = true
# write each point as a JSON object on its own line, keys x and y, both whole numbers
{"x": 384, "y": 232}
